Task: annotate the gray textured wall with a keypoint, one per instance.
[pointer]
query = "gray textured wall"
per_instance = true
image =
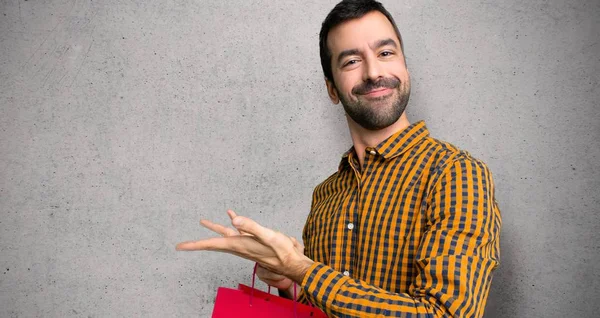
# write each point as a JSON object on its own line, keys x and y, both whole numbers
{"x": 125, "y": 122}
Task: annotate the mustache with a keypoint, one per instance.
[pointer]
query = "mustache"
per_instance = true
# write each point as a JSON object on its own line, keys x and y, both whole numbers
{"x": 366, "y": 87}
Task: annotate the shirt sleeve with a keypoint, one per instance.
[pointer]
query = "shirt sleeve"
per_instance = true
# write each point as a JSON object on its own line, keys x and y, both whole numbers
{"x": 454, "y": 261}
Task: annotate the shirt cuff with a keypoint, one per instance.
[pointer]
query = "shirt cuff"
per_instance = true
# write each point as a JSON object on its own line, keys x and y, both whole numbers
{"x": 321, "y": 284}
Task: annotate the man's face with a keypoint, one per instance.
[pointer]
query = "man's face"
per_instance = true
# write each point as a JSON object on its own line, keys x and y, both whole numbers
{"x": 369, "y": 72}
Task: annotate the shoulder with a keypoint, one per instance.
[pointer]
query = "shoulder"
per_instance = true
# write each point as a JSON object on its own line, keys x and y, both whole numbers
{"x": 438, "y": 150}
{"x": 444, "y": 153}
{"x": 446, "y": 161}
{"x": 328, "y": 183}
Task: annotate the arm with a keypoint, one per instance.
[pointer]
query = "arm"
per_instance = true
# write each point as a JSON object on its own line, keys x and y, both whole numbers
{"x": 454, "y": 260}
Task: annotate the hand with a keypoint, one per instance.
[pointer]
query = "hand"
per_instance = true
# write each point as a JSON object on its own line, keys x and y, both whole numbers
{"x": 274, "y": 279}
{"x": 270, "y": 278}
{"x": 278, "y": 281}
{"x": 272, "y": 250}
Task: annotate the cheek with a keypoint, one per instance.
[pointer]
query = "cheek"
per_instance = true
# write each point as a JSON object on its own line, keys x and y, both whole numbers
{"x": 401, "y": 73}
{"x": 347, "y": 90}
{"x": 345, "y": 85}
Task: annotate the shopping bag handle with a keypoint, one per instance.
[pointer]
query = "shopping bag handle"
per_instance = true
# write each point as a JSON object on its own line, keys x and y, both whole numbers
{"x": 269, "y": 290}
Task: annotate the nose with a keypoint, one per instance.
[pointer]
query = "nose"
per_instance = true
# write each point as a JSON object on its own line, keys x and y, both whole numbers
{"x": 373, "y": 69}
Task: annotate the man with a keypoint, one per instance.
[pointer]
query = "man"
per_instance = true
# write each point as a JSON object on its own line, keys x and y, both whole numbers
{"x": 408, "y": 226}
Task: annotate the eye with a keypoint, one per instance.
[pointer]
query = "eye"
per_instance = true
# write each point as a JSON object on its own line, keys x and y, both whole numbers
{"x": 350, "y": 62}
{"x": 386, "y": 53}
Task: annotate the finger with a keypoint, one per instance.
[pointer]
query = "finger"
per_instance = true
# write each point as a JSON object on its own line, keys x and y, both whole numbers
{"x": 251, "y": 227}
{"x": 232, "y": 215}
{"x": 196, "y": 245}
{"x": 218, "y": 228}
{"x": 223, "y": 244}
{"x": 265, "y": 274}
{"x": 279, "y": 284}
{"x": 271, "y": 276}
{"x": 239, "y": 245}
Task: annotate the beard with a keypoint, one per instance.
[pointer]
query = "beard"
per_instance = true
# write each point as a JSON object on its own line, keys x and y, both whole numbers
{"x": 381, "y": 112}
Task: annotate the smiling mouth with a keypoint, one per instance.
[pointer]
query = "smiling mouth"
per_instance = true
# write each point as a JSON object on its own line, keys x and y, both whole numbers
{"x": 379, "y": 92}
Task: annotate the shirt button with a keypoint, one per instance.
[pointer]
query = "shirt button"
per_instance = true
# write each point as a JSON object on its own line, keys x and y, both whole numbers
{"x": 346, "y": 273}
{"x": 373, "y": 152}
{"x": 350, "y": 226}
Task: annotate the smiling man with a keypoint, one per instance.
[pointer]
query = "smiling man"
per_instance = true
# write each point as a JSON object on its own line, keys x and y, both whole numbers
{"x": 408, "y": 225}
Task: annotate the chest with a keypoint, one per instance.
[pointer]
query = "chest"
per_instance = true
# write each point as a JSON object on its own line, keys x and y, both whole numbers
{"x": 376, "y": 214}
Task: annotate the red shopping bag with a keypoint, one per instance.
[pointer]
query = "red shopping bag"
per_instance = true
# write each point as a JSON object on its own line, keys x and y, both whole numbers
{"x": 246, "y": 301}
{"x": 299, "y": 309}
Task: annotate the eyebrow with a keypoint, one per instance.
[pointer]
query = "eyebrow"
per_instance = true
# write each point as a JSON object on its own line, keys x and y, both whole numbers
{"x": 385, "y": 42}
{"x": 345, "y": 53}
{"x": 378, "y": 44}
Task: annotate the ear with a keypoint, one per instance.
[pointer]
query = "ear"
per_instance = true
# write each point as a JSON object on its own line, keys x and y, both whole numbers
{"x": 332, "y": 91}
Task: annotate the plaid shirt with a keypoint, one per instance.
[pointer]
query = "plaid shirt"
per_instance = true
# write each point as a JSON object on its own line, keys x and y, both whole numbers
{"x": 413, "y": 233}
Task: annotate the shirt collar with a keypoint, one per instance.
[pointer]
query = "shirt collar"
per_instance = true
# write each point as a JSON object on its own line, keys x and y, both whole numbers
{"x": 396, "y": 144}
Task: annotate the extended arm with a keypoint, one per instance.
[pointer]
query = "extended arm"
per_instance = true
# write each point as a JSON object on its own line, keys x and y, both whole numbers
{"x": 454, "y": 260}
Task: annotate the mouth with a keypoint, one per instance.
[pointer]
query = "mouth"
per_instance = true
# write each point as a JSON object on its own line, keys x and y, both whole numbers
{"x": 378, "y": 92}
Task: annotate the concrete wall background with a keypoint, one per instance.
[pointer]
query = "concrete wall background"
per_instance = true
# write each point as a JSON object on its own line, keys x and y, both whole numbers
{"x": 122, "y": 123}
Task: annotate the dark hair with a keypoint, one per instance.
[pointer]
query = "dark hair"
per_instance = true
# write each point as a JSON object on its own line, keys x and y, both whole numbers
{"x": 342, "y": 12}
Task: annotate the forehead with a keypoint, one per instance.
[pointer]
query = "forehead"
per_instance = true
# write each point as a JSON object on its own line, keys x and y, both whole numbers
{"x": 361, "y": 32}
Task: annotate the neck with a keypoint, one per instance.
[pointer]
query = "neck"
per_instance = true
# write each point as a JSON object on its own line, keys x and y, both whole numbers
{"x": 363, "y": 138}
